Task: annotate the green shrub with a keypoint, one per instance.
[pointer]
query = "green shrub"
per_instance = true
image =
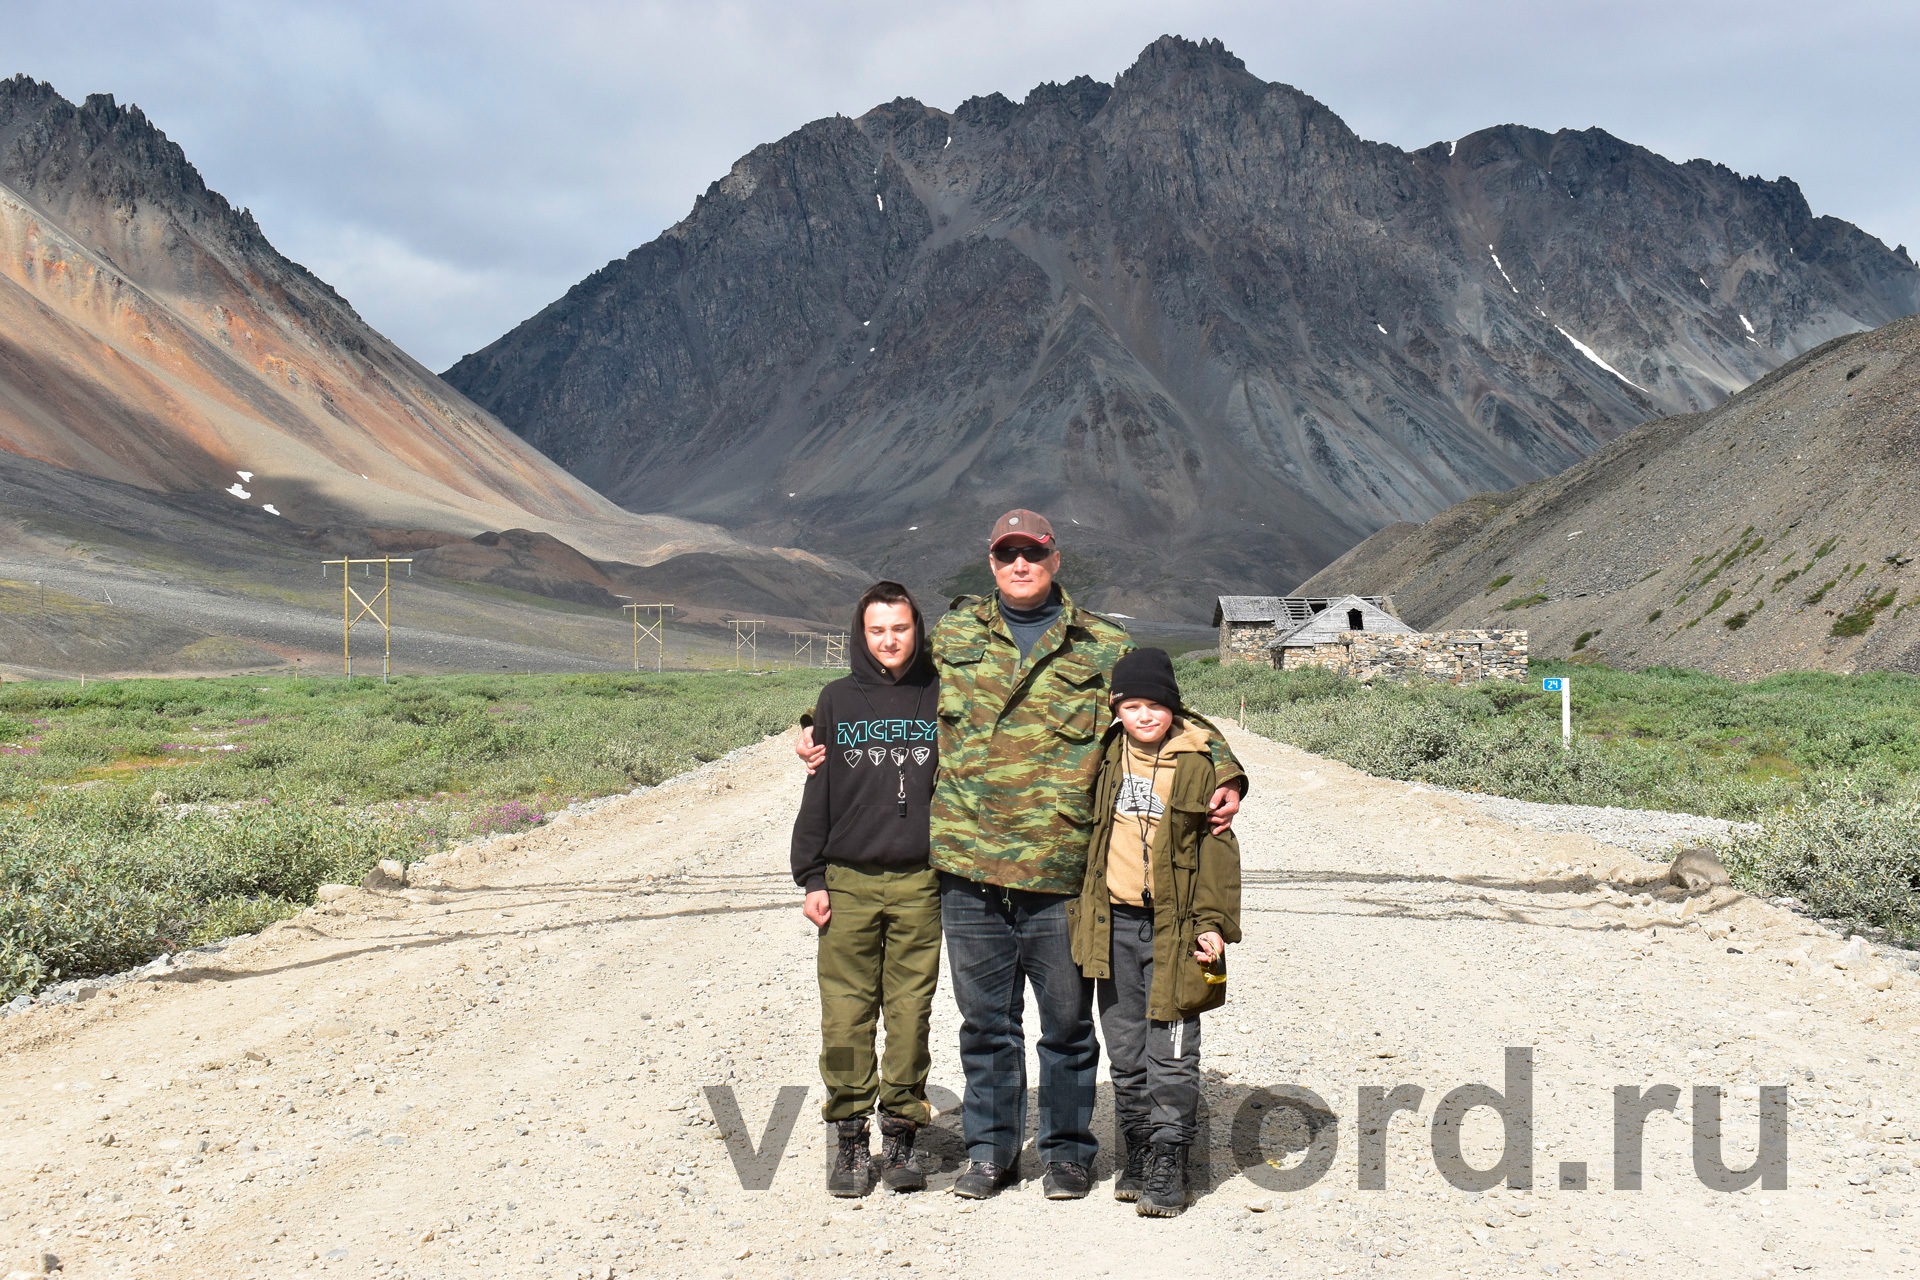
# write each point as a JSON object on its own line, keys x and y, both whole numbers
{"x": 99, "y": 880}
{"x": 1581, "y": 641}
{"x": 326, "y": 779}
{"x": 1524, "y": 602}
{"x": 1497, "y": 583}
{"x": 1849, "y": 856}
{"x": 1720, "y": 597}
{"x": 1662, "y": 738}
{"x": 1856, "y": 620}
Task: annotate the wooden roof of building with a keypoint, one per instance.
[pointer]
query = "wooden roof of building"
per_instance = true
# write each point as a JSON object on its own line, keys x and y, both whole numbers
{"x": 1280, "y": 610}
{"x": 1327, "y": 624}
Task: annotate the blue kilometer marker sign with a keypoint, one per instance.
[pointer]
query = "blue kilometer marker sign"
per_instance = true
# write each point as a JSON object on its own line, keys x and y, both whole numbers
{"x": 1558, "y": 684}
{"x": 1552, "y": 686}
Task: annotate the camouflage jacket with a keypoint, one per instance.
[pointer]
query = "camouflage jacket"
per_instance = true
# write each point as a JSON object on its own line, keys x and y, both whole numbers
{"x": 1020, "y": 745}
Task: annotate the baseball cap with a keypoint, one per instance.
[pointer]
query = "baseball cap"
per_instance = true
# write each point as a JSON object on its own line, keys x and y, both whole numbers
{"x": 1021, "y": 525}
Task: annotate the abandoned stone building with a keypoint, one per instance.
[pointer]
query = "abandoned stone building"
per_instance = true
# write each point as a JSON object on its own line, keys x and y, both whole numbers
{"x": 1359, "y": 636}
{"x": 1247, "y": 624}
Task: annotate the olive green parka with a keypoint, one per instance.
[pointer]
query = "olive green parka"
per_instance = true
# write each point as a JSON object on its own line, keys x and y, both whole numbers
{"x": 1197, "y": 879}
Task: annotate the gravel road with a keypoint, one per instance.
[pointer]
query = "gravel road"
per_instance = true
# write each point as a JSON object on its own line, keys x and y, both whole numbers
{"x": 500, "y": 1071}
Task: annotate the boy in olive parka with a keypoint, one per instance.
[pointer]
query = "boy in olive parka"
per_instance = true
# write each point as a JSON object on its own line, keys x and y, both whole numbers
{"x": 1160, "y": 901}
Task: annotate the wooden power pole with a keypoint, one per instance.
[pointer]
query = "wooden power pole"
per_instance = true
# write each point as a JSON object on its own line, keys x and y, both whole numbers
{"x": 380, "y": 608}
{"x": 655, "y": 631}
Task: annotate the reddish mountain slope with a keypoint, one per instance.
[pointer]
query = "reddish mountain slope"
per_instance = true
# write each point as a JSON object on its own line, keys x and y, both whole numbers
{"x": 149, "y": 334}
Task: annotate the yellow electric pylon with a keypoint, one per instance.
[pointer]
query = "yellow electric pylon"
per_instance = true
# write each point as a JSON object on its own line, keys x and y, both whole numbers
{"x": 802, "y": 647}
{"x": 383, "y": 615}
{"x": 655, "y": 631}
{"x": 746, "y": 639}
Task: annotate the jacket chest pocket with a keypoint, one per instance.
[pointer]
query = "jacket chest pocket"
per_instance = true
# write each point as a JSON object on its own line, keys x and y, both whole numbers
{"x": 1073, "y": 691}
{"x": 1183, "y": 833}
{"x": 959, "y": 669}
{"x": 1183, "y": 839}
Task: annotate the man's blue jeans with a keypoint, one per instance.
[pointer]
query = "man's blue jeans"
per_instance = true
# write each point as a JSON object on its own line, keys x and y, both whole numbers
{"x": 998, "y": 940}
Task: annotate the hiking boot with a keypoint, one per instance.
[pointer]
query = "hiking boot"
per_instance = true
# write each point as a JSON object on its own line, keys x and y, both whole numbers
{"x": 852, "y": 1172}
{"x": 1165, "y": 1194}
{"x": 982, "y": 1179}
{"x": 1066, "y": 1180}
{"x": 1132, "y": 1179}
{"x": 896, "y": 1155}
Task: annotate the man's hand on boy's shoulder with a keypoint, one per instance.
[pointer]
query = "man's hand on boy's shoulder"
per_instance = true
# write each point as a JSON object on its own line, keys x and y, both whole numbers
{"x": 1225, "y": 804}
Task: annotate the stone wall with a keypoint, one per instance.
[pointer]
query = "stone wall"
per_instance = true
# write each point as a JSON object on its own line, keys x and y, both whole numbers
{"x": 1451, "y": 657}
{"x": 1246, "y": 641}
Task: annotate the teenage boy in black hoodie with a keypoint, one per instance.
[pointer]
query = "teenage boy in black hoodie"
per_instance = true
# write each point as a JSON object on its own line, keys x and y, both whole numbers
{"x": 860, "y": 853}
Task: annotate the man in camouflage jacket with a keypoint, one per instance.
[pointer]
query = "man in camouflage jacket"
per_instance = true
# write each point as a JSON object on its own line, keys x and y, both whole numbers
{"x": 1020, "y": 743}
{"x": 1023, "y": 704}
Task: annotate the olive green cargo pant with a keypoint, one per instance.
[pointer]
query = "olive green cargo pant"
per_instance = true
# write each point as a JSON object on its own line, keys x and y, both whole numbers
{"x": 880, "y": 952}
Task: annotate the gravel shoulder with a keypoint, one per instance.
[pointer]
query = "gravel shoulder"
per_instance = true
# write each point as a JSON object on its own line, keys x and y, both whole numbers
{"x": 1653, "y": 832}
{"x": 501, "y": 1071}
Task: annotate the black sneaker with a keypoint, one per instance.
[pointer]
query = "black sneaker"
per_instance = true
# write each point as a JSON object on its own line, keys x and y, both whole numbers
{"x": 852, "y": 1172}
{"x": 982, "y": 1179}
{"x": 1166, "y": 1190}
{"x": 896, "y": 1155}
{"x": 1066, "y": 1180}
{"x": 1133, "y": 1178}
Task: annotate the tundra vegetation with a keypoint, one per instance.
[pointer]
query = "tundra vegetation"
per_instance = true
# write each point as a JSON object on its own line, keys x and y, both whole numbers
{"x": 138, "y": 816}
{"x": 1825, "y": 763}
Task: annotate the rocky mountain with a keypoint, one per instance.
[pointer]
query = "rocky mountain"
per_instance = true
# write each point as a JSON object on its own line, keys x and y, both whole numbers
{"x": 1776, "y": 532}
{"x": 1193, "y": 316}
{"x": 152, "y": 340}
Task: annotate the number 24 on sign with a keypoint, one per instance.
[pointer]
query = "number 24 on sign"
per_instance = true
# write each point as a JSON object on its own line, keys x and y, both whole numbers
{"x": 1562, "y": 686}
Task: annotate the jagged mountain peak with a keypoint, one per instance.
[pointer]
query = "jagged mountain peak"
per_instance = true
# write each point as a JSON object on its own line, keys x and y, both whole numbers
{"x": 1080, "y": 98}
{"x": 1173, "y": 55}
{"x": 100, "y": 151}
{"x": 1193, "y": 313}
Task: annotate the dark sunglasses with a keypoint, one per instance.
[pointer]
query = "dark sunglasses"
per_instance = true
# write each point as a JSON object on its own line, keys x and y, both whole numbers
{"x": 1031, "y": 554}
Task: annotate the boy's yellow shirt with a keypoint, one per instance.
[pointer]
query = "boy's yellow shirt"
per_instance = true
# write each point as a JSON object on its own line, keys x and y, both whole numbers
{"x": 1137, "y": 811}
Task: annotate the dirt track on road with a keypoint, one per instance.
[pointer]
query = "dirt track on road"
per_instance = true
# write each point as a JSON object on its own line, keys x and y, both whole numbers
{"x": 502, "y": 1074}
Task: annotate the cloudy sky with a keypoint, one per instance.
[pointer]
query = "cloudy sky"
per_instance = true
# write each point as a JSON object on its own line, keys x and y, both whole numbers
{"x": 453, "y": 167}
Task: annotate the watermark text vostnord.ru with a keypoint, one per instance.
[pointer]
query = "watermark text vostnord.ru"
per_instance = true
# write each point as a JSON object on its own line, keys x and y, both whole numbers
{"x": 1286, "y": 1138}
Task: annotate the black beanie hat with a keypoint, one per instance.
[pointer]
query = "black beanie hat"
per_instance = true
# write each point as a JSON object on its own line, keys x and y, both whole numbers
{"x": 1147, "y": 673}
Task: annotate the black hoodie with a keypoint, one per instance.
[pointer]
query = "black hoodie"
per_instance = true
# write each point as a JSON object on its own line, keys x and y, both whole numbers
{"x": 881, "y": 755}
